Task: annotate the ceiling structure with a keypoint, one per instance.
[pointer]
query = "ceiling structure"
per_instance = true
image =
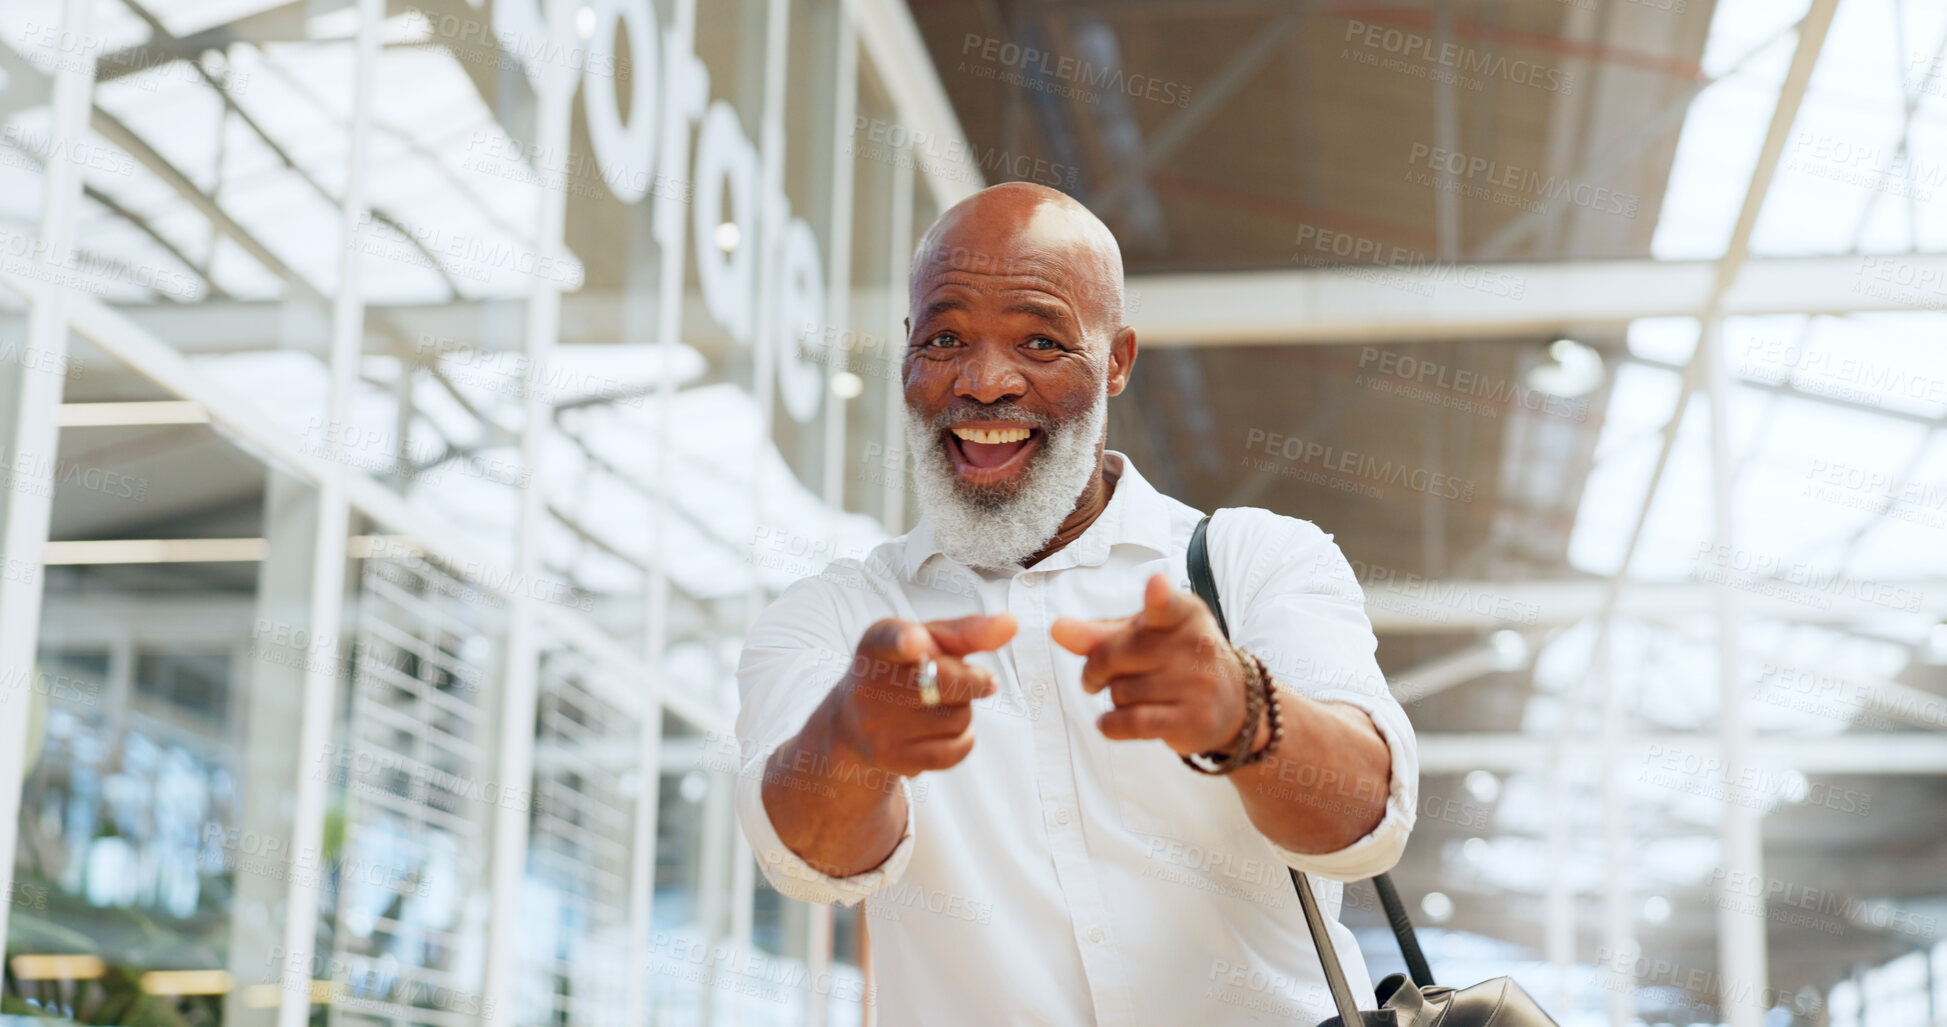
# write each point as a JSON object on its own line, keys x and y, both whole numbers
{"x": 1305, "y": 156}
{"x": 1258, "y": 125}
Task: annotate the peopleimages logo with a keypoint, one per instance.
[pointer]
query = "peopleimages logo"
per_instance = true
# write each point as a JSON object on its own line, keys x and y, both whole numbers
{"x": 1462, "y": 60}
{"x": 1795, "y": 580}
{"x": 891, "y": 142}
{"x": 1355, "y": 468}
{"x": 1758, "y": 895}
{"x": 1516, "y": 180}
{"x": 1070, "y": 69}
{"x": 1432, "y": 379}
{"x": 1629, "y": 969}
{"x": 1424, "y": 271}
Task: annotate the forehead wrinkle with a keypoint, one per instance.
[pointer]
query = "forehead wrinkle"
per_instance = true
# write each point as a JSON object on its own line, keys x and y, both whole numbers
{"x": 1046, "y": 304}
{"x": 1023, "y": 231}
{"x": 1039, "y": 266}
{"x": 1036, "y": 275}
{"x": 1049, "y": 312}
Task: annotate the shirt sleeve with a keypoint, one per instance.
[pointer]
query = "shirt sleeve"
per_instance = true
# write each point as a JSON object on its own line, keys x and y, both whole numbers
{"x": 794, "y": 655}
{"x": 1291, "y": 598}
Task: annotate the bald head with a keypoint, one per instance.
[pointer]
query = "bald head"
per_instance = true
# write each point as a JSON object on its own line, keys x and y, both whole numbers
{"x": 1020, "y": 228}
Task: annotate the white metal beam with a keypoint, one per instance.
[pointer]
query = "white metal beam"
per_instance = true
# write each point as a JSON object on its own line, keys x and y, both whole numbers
{"x": 777, "y": 23}
{"x": 1741, "y": 939}
{"x": 1818, "y": 597}
{"x": 31, "y": 442}
{"x": 667, "y": 227}
{"x": 1698, "y": 754}
{"x": 1420, "y": 300}
{"x": 899, "y": 261}
{"x": 332, "y": 525}
{"x": 520, "y": 669}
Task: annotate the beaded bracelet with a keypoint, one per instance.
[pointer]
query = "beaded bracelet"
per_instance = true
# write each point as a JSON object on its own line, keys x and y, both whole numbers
{"x": 1260, "y": 699}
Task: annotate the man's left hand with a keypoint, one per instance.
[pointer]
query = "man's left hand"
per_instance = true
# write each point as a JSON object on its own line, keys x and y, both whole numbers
{"x": 1169, "y": 669}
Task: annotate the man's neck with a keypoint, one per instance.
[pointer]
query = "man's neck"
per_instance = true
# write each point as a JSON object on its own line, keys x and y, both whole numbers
{"x": 1094, "y": 500}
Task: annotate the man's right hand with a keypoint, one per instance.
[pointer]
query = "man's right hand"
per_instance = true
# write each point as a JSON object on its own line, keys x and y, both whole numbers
{"x": 842, "y": 822}
{"x": 878, "y": 718}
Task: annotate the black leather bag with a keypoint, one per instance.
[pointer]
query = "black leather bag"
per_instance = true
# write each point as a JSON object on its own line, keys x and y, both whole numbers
{"x": 1417, "y": 1002}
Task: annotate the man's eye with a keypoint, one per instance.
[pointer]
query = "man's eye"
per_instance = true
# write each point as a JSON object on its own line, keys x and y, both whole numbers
{"x": 944, "y": 340}
{"x": 1043, "y": 343}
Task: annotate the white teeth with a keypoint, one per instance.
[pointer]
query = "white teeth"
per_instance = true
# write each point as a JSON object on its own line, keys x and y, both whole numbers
{"x": 992, "y": 436}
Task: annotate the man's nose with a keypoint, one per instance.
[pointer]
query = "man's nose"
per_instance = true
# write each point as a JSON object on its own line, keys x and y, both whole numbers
{"x": 987, "y": 377}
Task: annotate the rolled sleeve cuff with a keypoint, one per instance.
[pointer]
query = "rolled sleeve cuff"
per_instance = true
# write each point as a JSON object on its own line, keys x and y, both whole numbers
{"x": 1379, "y": 850}
{"x": 788, "y": 872}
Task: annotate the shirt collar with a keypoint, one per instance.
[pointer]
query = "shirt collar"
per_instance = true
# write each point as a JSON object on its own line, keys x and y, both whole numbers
{"x": 1137, "y": 515}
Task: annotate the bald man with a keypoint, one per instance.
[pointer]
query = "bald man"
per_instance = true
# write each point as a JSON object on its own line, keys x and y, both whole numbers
{"x": 999, "y": 729}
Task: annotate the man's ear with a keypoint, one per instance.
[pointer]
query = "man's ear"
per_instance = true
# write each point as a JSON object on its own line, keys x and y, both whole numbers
{"x": 1122, "y": 359}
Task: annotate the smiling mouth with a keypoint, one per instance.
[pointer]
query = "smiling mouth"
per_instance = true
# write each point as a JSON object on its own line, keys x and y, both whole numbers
{"x": 986, "y": 455}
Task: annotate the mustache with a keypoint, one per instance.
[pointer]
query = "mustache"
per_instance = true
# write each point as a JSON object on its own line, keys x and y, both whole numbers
{"x": 1008, "y": 413}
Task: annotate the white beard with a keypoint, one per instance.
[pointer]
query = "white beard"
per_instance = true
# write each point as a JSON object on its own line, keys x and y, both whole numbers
{"x": 984, "y": 529}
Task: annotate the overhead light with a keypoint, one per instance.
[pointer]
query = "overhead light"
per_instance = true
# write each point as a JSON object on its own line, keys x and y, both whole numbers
{"x": 846, "y": 385}
{"x": 1936, "y": 648}
{"x": 1656, "y": 909}
{"x": 64, "y": 966}
{"x": 1510, "y": 649}
{"x": 186, "y": 982}
{"x": 1571, "y": 370}
{"x": 1482, "y": 785}
{"x": 99, "y": 415}
{"x": 1437, "y": 907}
{"x": 269, "y": 996}
{"x": 154, "y": 550}
{"x": 585, "y": 21}
{"x": 728, "y": 235}
{"x": 1475, "y": 850}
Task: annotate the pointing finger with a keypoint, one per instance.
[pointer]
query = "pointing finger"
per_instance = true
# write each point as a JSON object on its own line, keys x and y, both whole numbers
{"x": 975, "y": 634}
{"x": 896, "y": 641}
{"x": 1082, "y": 636}
{"x": 1164, "y": 606}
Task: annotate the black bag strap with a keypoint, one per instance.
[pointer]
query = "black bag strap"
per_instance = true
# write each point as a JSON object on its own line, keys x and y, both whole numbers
{"x": 1409, "y": 942}
{"x": 1204, "y": 583}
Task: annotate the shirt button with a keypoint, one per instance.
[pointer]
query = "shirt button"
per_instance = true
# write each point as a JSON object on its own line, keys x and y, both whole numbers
{"x": 1095, "y": 935}
{"x": 1040, "y": 689}
{"x": 1061, "y": 816}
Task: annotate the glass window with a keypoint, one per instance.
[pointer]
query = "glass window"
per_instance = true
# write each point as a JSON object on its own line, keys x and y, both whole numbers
{"x": 155, "y": 832}
{"x": 161, "y": 847}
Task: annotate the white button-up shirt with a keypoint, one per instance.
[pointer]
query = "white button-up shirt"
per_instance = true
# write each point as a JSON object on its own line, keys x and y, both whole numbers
{"x": 1055, "y": 876}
